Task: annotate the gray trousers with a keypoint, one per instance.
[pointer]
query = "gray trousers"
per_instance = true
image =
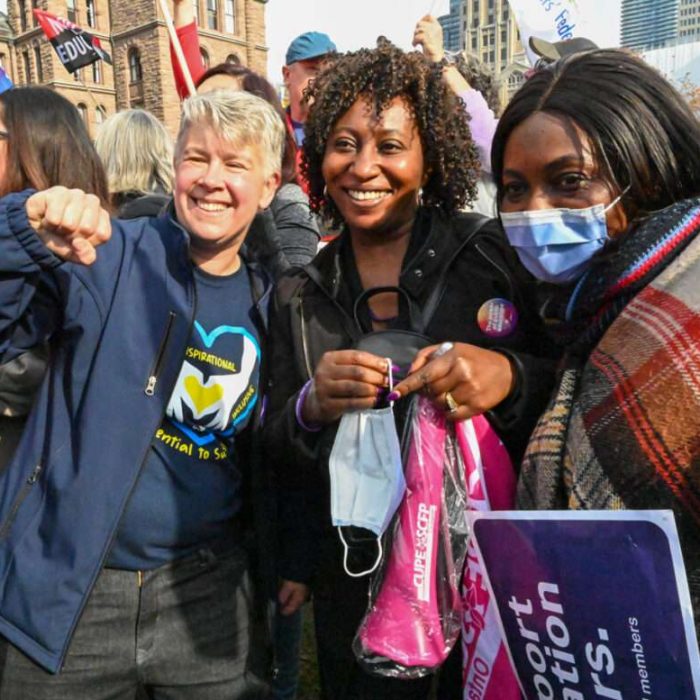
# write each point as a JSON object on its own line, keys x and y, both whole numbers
{"x": 179, "y": 632}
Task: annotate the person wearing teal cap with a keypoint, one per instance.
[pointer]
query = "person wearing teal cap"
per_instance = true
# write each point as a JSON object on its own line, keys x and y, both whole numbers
{"x": 304, "y": 59}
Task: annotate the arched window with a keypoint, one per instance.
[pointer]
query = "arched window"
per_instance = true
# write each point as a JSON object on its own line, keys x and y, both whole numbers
{"x": 230, "y": 16}
{"x": 27, "y": 67}
{"x": 135, "y": 72}
{"x": 100, "y": 116}
{"x": 212, "y": 14}
{"x": 233, "y": 58}
{"x": 23, "y": 15}
{"x": 39, "y": 68}
{"x": 91, "y": 16}
{"x": 205, "y": 57}
{"x": 515, "y": 80}
{"x": 83, "y": 110}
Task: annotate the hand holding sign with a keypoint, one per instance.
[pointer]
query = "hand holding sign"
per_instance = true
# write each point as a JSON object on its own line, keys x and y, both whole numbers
{"x": 71, "y": 223}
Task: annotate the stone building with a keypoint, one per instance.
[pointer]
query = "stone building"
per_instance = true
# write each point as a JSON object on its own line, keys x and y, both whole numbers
{"x": 487, "y": 29}
{"x": 135, "y": 35}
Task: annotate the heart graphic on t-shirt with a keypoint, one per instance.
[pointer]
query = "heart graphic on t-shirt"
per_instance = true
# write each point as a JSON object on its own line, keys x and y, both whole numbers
{"x": 203, "y": 396}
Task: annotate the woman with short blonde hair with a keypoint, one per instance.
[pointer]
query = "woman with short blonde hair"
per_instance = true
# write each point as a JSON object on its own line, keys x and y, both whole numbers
{"x": 137, "y": 153}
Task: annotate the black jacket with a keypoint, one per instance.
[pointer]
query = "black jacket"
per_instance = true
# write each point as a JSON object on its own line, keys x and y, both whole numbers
{"x": 308, "y": 320}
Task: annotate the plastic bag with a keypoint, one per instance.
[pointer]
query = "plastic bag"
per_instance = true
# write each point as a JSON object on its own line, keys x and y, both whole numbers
{"x": 415, "y": 611}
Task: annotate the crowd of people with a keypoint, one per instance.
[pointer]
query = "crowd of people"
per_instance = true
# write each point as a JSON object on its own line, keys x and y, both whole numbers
{"x": 179, "y": 345}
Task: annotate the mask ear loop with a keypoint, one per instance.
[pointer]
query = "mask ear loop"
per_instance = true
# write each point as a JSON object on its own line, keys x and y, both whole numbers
{"x": 617, "y": 199}
{"x": 390, "y": 376}
{"x": 346, "y": 550}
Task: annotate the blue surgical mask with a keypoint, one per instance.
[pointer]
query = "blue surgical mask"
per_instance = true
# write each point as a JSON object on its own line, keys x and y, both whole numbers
{"x": 556, "y": 245}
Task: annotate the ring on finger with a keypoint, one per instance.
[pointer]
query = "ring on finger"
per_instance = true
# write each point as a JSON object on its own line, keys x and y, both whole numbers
{"x": 452, "y": 405}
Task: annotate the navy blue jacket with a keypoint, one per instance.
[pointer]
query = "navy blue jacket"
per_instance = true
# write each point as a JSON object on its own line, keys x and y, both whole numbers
{"x": 117, "y": 332}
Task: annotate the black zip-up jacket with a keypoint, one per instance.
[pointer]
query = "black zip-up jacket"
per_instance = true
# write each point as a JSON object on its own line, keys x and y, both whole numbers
{"x": 308, "y": 320}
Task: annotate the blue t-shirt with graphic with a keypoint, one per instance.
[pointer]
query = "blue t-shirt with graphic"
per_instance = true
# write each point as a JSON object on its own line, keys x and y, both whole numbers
{"x": 188, "y": 491}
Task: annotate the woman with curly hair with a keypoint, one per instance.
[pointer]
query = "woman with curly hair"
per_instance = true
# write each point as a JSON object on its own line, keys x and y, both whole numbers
{"x": 390, "y": 160}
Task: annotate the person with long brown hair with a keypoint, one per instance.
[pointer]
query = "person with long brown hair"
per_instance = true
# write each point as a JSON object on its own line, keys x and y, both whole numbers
{"x": 43, "y": 142}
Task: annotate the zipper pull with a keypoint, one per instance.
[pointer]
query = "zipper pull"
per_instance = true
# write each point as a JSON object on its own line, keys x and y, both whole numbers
{"x": 34, "y": 476}
{"x": 151, "y": 385}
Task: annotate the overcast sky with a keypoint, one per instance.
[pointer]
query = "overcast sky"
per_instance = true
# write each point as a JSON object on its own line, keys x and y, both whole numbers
{"x": 355, "y": 23}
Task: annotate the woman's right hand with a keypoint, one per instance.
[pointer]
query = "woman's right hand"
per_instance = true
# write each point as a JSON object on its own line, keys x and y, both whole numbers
{"x": 345, "y": 380}
{"x": 71, "y": 223}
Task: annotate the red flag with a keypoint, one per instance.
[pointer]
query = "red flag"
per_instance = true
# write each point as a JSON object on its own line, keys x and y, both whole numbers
{"x": 75, "y": 47}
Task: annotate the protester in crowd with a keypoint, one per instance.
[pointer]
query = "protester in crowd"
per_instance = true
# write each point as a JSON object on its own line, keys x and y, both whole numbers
{"x": 390, "y": 160}
{"x": 551, "y": 51}
{"x": 305, "y": 58}
{"x": 137, "y": 153}
{"x": 601, "y": 199}
{"x": 43, "y": 142}
{"x": 127, "y": 507}
{"x": 482, "y": 119}
{"x": 290, "y": 234}
{"x": 288, "y": 225}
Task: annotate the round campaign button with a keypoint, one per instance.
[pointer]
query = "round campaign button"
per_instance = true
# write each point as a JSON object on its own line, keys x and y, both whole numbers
{"x": 497, "y": 318}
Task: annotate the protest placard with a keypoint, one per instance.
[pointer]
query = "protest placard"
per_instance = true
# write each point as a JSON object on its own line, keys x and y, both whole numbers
{"x": 592, "y": 604}
{"x": 552, "y": 20}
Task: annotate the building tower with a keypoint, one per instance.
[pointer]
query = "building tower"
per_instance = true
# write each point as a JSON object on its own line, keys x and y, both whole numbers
{"x": 489, "y": 32}
{"x": 134, "y": 33}
{"x": 689, "y": 20}
{"x": 452, "y": 27}
{"x": 649, "y": 24}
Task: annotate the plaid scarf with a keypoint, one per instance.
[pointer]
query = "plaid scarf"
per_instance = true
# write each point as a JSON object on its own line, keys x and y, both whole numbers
{"x": 623, "y": 427}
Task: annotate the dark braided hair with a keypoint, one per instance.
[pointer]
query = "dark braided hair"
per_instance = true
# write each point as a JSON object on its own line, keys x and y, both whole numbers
{"x": 379, "y": 75}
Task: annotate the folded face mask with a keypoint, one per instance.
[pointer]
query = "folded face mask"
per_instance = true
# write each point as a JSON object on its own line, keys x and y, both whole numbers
{"x": 367, "y": 480}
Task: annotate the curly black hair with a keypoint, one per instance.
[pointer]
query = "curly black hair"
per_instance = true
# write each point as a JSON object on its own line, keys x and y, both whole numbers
{"x": 379, "y": 75}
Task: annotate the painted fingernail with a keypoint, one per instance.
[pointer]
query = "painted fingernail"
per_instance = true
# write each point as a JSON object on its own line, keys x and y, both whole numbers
{"x": 393, "y": 396}
{"x": 395, "y": 369}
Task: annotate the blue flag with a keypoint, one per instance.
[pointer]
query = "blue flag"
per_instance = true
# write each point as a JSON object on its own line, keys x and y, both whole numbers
{"x": 5, "y": 82}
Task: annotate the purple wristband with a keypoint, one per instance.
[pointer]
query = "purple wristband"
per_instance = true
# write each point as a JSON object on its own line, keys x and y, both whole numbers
{"x": 300, "y": 405}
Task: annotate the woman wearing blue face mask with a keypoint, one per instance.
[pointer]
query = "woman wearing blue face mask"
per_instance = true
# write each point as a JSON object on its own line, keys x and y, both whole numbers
{"x": 597, "y": 164}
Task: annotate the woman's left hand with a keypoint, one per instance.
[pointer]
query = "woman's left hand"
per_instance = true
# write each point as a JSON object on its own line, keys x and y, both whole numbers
{"x": 476, "y": 379}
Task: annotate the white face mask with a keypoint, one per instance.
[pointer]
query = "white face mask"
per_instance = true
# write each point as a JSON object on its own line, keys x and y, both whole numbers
{"x": 367, "y": 481}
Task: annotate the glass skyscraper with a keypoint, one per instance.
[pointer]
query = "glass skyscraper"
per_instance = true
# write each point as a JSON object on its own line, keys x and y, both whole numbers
{"x": 451, "y": 26}
{"x": 647, "y": 24}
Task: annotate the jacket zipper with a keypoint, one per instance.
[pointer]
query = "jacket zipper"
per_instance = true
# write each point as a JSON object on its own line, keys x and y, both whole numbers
{"x": 151, "y": 380}
{"x": 499, "y": 268}
{"x": 150, "y": 388}
{"x": 24, "y": 492}
{"x": 304, "y": 342}
{"x": 154, "y": 379}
